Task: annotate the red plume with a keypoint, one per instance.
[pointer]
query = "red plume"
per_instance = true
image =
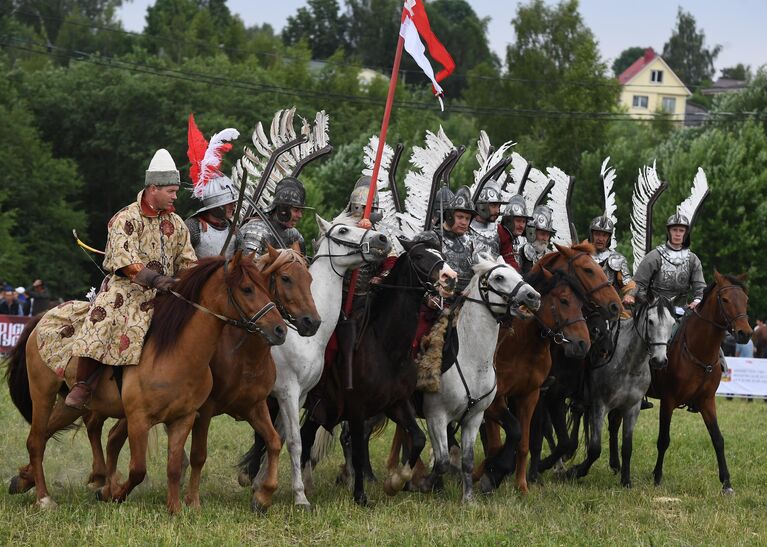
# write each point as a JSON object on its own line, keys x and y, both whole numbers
{"x": 196, "y": 151}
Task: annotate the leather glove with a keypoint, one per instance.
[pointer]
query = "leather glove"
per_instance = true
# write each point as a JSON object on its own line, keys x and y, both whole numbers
{"x": 152, "y": 280}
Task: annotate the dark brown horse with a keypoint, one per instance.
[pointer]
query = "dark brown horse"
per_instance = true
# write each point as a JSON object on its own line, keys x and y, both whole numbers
{"x": 171, "y": 381}
{"x": 522, "y": 362}
{"x": 243, "y": 376}
{"x": 693, "y": 372}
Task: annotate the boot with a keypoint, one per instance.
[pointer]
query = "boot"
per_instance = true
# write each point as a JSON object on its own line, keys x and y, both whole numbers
{"x": 346, "y": 330}
{"x": 88, "y": 374}
{"x": 645, "y": 404}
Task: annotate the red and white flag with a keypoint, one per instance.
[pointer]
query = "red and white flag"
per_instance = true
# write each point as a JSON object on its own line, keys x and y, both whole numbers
{"x": 415, "y": 26}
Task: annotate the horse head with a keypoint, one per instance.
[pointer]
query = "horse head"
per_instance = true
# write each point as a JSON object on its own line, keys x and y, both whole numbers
{"x": 561, "y": 312}
{"x": 502, "y": 288}
{"x": 349, "y": 247}
{"x": 654, "y": 321}
{"x": 577, "y": 262}
{"x": 290, "y": 285}
{"x": 428, "y": 264}
{"x": 732, "y": 309}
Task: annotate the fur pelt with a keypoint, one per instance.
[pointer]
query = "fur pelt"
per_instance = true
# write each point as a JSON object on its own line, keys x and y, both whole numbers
{"x": 429, "y": 359}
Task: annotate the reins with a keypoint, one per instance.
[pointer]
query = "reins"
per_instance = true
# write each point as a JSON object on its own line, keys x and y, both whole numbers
{"x": 358, "y": 248}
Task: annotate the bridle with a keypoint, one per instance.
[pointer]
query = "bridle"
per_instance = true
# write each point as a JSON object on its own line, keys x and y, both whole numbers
{"x": 556, "y": 332}
{"x": 357, "y": 248}
{"x": 423, "y": 276}
{"x": 285, "y": 256}
{"x": 571, "y": 270}
{"x": 729, "y": 322}
{"x": 644, "y": 310}
{"x": 485, "y": 289}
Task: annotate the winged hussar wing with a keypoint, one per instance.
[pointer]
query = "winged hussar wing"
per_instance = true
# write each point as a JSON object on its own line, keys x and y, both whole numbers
{"x": 608, "y": 181}
{"x": 558, "y": 202}
{"x": 418, "y": 180}
{"x": 698, "y": 193}
{"x": 646, "y": 190}
{"x": 389, "y": 223}
{"x": 281, "y": 131}
{"x": 488, "y": 160}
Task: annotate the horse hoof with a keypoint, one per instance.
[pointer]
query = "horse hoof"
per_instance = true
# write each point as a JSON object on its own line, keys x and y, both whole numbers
{"x": 18, "y": 485}
{"x": 728, "y": 491}
{"x": 388, "y": 488}
{"x": 243, "y": 479}
{"x": 626, "y": 484}
{"x": 615, "y": 470}
{"x": 47, "y": 503}
{"x": 486, "y": 484}
{"x": 361, "y": 500}
{"x": 99, "y": 495}
{"x": 305, "y": 507}
{"x": 258, "y": 507}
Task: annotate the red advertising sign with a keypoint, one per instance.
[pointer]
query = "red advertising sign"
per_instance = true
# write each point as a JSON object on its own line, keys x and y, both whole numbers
{"x": 10, "y": 329}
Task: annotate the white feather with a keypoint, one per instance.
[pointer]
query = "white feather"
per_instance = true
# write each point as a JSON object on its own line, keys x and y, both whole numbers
{"x": 389, "y": 223}
{"x": 647, "y": 185}
{"x": 558, "y": 203}
{"x": 211, "y": 161}
{"x": 487, "y": 161}
{"x": 608, "y": 181}
{"x": 698, "y": 193}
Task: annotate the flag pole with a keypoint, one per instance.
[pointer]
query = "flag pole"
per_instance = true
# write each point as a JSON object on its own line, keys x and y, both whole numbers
{"x": 377, "y": 164}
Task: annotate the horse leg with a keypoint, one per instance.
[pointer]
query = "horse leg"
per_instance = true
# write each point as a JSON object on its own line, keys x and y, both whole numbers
{"x": 178, "y": 431}
{"x": 525, "y": 409}
{"x": 664, "y": 436}
{"x": 490, "y": 437}
{"x": 558, "y": 415}
{"x": 357, "y": 431}
{"x": 469, "y": 431}
{"x": 454, "y": 449}
{"x": 596, "y": 417}
{"x": 708, "y": 412}
{"x": 291, "y": 428}
{"x": 199, "y": 453}
{"x": 369, "y": 427}
{"x": 394, "y": 452}
{"x": 403, "y": 413}
{"x": 94, "y": 424}
{"x": 629, "y": 422}
{"x": 43, "y": 394}
{"x": 115, "y": 441}
{"x": 138, "y": 435}
{"x": 614, "y": 423}
{"x": 261, "y": 421}
{"x": 438, "y": 435}
{"x": 540, "y": 427}
{"x": 571, "y": 445}
{"x": 308, "y": 436}
{"x": 249, "y": 471}
{"x": 345, "y": 471}
{"x": 499, "y": 465}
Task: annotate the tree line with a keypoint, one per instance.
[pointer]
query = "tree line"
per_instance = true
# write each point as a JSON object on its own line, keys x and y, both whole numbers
{"x": 85, "y": 104}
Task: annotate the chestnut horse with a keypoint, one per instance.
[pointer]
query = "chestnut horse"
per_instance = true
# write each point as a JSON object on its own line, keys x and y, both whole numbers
{"x": 522, "y": 362}
{"x": 694, "y": 372}
{"x": 171, "y": 381}
{"x": 243, "y": 376}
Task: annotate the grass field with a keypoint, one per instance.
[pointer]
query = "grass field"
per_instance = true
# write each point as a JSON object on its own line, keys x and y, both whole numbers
{"x": 687, "y": 510}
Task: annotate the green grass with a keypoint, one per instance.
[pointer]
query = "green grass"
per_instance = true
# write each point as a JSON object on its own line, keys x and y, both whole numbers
{"x": 592, "y": 511}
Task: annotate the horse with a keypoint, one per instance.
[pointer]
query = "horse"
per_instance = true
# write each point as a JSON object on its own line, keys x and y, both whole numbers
{"x": 496, "y": 293}
{"x": 693, "y": 372}
{"x": 243, "y": 375}
{"x": 383, "y": 368}
{"x": 300, "y": 361}
{"x": 618, "y": 384}
{"x": 171, "y": 381}
{"x": 523, "y": 361}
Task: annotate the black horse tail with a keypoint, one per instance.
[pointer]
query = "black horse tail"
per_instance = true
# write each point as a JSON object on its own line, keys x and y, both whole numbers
{"x": 16, "y": 371}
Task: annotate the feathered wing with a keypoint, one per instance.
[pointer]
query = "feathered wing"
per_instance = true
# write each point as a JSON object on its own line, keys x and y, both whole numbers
{"x": 418, "y": 180}
{"x": 281, "y": 131}
{"x": 698, "y": 193}
{"x": 488, "y": 161}
{"x": 646, "y": 190}
{"x": 608, "y": 182}
{"x": 389, "y": 223}
{"x": 558, "y": 198}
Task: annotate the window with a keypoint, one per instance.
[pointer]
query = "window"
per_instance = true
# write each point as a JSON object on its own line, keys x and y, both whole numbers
{"x": 640, "y": 101}
{"x": 656, "y": 76}
{"x": 669, "y": 104}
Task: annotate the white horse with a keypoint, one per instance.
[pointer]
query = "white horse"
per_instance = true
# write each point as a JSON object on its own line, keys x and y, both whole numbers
{"x": 300, "y": 360}
{"x": 618, "y": 385}
{"x": 468, "y": 386}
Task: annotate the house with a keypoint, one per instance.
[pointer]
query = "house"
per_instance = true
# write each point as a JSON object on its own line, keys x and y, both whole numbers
{"x": 650, "y": 86}
{"x": 725, "y": 85}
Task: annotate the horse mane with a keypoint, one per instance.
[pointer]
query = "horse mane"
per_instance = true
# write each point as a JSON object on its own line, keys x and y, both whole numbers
{"x": 172, "y": 314}
{"x": 539, "y": 282}
{"x": 584, "y": 247}
{"x": 482, "y": 266}
{"x": 731, "y": 278}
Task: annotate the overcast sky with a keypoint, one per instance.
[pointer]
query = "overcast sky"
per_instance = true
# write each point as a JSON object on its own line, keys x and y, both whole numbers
{"x": 738, "y": 25}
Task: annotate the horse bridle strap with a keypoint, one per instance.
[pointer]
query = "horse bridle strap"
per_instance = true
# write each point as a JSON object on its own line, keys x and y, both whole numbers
{"x": 556, "y": 332}
{"x": 243, "y": 323}
{"x": 484, "y": 294}
{"x": 358, "y": 248}
{"x": 571, "y": 269}
{"x": 728, "y": 322}
{"x": 708, "y": 368}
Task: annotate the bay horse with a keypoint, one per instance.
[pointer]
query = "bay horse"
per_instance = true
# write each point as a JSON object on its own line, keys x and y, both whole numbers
{"x": 300, "y": 361}
{"x": 618, "y": 384}
{"x": 171, "y": 381}
{"x": 243, "y": 376}
{"x": 522, "y": 362}
{"x": 384, "y": 370}
{"x": 694, "y": 372}
{"x": 496, "y": 293}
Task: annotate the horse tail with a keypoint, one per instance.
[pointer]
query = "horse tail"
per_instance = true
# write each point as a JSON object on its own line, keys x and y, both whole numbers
{"x": 324, "y": 442}
{"x": 16, "y": 371}
{"x": 379, "y": 428}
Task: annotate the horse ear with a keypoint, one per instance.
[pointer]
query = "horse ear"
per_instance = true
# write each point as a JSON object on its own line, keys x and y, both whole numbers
{"x": 547, "y": 275}
{"x": 323, "y": 224}
{"x": 406, "y": 243}
{"x": 236, "y": 259}
{"x": 273, "y": 253}
{"x": 567, "y": 251}
{"x": 718, "y": 277}
{"x": 742, "y": 277}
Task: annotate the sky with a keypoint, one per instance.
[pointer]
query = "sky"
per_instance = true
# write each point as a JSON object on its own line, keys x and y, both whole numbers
{"x": 737, "y": 25}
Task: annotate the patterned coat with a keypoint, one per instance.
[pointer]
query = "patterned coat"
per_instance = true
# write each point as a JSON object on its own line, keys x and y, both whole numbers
{"x": 119, "y": 318}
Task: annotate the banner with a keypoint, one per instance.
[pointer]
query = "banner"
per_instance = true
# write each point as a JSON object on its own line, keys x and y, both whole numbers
{"x": 746, "y": 378}
{"x": 10, "y": 329}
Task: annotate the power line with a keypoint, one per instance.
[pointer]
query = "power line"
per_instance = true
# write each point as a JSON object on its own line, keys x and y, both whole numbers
{"x": 383, "y": 70}
{"x": 201, "y": 78}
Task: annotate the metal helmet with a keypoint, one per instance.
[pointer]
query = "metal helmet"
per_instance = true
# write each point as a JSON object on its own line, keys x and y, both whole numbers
{"x": 218, "y": 192}
{"x": 460, "y": 202}
{"x": 442, "y": 200}
{"x": 489, "y": 195}
{"x": 359, "y": 197}
{"x": 516, "y": 207}
{"x": 602, "y": 224}
{"x": 289, "y": 192}
{"x": 542, "y": 219}
{"x": 677, "y": 219}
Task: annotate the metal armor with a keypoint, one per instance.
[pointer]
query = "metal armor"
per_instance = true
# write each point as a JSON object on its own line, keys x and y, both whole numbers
{"x": 529, "y": 255}
{"x": 485, "y": 236}
{"x": 256, "y": 235}
{"x": 459, "y": 255}
{"x": 671, "y": 273}
{"x": 613, "y": 262}
{"x": 210, "y": 241}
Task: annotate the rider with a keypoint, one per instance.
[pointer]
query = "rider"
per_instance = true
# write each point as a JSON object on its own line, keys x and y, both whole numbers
{"x": 512, "y": 226}
{"x": 147, "y": 246}
{"x": 457, "y": 246}
{"x": 537, "y": 245}
{"x": 613, "y": 263}
{"x": 278, "y": 226}
{"x": 484, "y": 230}
{"x": 442, "y": 200}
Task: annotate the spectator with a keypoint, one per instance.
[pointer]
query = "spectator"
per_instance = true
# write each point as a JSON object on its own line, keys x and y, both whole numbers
{"x": 40, "y": 298}
{"x": 21, "y": 296}
{"x": 728, "y": 346}
{"x": 745, "y": 350}
{"x": 10, "y": 304}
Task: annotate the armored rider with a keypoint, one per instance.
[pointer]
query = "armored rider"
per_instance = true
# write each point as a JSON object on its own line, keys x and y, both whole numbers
{"x": 278, "y": 225}
{"x": 147, "y": 246}
{"x": 511, "y": 228}
{"x": 613, "y": 263}
{"x": 457, "y": 246}
{"x": 484, "y": 230}
{"x": 540, "y": 230}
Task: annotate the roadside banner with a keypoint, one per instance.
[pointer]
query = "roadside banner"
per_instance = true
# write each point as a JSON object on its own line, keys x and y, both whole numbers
{"x": 746, "y": 378}
{"x": 10, "y": 329}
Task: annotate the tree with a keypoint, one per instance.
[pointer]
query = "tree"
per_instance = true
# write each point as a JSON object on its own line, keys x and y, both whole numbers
{"x": 626, "y": 59}
{"x": 321, "y": 25}
{"x": 686, "y": 52}
{"x": 738, "y": 72}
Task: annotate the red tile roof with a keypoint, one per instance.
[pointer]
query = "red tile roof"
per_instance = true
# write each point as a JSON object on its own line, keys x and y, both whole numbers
{"x": 637, "y": 66}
